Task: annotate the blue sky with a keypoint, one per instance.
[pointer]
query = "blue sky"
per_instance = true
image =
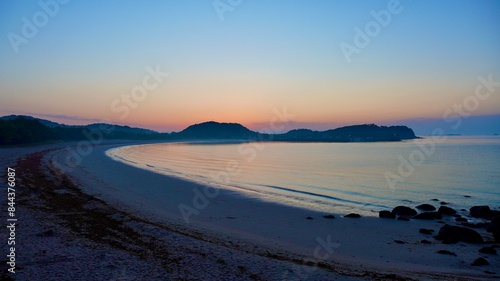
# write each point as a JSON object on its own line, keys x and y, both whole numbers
{"x": 263, "y": 55}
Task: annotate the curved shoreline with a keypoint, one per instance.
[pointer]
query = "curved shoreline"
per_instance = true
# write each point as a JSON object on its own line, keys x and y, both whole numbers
{"x": 311, "y": 178}
{"x": 262, "y": 229}
{"x": 296, "y": 196}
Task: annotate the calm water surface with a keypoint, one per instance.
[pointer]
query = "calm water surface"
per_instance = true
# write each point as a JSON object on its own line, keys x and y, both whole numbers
{"x": 335, "y": 177}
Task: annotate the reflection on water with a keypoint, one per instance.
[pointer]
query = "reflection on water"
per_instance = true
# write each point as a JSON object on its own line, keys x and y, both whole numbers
{"x": 333, "y": 177}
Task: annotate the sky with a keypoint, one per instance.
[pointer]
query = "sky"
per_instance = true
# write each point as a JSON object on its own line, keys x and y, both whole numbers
{"x": 165, "y": 65}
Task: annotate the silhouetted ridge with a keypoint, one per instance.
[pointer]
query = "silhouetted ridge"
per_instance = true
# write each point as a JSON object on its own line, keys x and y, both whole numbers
{"x": 43, "y": 121}
{"x": 19, "y": 129}
{"x": 26, "y": 129}
{"x": 215, "y": 130}
{"x": 22, "y": 130}
{"x": 356, "y": 133}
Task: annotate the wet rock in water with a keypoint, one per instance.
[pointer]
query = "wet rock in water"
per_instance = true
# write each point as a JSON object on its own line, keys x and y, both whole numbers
{"x": 425, "y": 241}
{"x": 386, "y": 215}
{"x": 480, "y": 262}
{"x": 426, "y": 207}
{"x": 480, "y": 211}
{"x": 489, "y": 272}
{"x": 399, "y": 242}
{"x": 403, "y": 219}
{"x": 446, "y": 252}
{"x": 404, "y": 211}
{"x": 453, "y": 234}
{"x": 447, "y": 210}
{"x": 495, "y": 228}
{"x": 428, "y": 216}
{"x": 467, "y": 196}
{"x": 488, "y": 250}
{"x": 435, "y": 199}
{"x": 426, "y": 231}
{"x": 329, "y": 216}
{"x": 309, "y": 218}
{"x": 461, "y": 220}
{"x": 352, "y": 215}
{"x": 444, "y": 203}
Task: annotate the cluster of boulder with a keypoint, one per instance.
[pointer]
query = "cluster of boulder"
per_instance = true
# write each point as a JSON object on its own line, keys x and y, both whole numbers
{"x": 448, "y": 233}
{"x": 451, "y": 234}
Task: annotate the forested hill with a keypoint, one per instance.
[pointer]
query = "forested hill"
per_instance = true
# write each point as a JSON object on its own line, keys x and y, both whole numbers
{"x": 16, "y": 130}
{"x": 26, "y": 130}
{"x": 356, "y": 133}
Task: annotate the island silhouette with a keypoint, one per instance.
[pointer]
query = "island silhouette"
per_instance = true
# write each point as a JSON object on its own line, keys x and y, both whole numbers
{"x": 22, "y": 129}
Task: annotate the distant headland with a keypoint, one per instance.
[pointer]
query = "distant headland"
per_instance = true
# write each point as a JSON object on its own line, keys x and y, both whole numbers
{"x": 22, "y": 129}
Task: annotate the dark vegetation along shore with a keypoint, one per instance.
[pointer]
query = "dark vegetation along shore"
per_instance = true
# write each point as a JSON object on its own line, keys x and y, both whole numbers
{"x": 16, "y": 129}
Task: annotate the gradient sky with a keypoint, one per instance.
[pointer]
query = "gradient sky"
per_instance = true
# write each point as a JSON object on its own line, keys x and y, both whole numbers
{"x": 263, "y": 55}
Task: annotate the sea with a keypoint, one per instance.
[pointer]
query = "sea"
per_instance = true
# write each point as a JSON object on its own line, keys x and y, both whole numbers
{"x": 337, "y": 178}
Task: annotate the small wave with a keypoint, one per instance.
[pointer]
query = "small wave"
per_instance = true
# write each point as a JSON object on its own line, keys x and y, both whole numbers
{"x": 344, "y": 201}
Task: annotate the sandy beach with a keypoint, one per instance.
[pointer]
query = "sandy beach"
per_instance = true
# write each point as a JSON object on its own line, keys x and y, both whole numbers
{"x": 116, "y": 223}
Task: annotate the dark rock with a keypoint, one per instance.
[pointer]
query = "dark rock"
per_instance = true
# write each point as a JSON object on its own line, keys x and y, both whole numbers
{"x": 495, "y": 228}
{"x": 435, "y": 199}
{"x": 447, "y": 241}
{"x": 493, "y": 214}
{"x": 403, "y": 219}
{"x": 489, "y": 272}
{"x": 467, "y": 196}
{"x": 386, "y": 215}
{"x": 479, "y": 211}
{"x": 404, "y": 211}
{"x": 426, "y": 231}
{"x": 480, "y": 262}
{"x": 425, "y": 241}
{"x": 451, "y": 234}
{"x": 446, "y": 210}
{"x": 428, "y": 216}
{"x": 445, "y": 252}
{"x": 426, "y": 207}
{"x": 474, "y": 225}
{"x": 444, "y": 203}
{"x": 463, "y": 210}
{"x": 488, "y": 250}
{"x": 352, "y": 215}
{"x": 399, "y": 241}
{"x": 329, "y": 216}
{"x": 309, "y": 218}
{"x": 461, "y": 220}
